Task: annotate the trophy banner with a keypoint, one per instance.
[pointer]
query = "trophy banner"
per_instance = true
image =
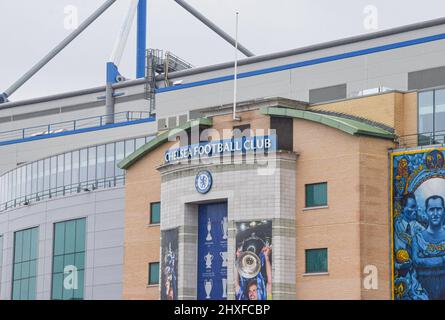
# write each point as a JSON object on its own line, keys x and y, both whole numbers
{"x": 253, "y": 260}
{"x": 169, "y": 265}
{"x": 212, "y": 252}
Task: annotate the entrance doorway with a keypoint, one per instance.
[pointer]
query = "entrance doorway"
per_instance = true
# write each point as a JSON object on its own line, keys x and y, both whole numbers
{"x": 212, "y": 251}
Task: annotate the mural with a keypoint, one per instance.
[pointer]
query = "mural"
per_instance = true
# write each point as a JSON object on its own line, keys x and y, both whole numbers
{"x": 418, "y": 212}
{"x": 253, "y": 256}
{"x": 169, "y": 265}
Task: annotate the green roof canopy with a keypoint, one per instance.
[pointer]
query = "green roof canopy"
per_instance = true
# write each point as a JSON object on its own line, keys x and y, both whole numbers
{"x": 350, "y": 126}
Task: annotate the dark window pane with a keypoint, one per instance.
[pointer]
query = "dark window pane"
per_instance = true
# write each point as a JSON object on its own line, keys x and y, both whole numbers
{"x": 155, "y": 213}
{"x": 58, "y": 264}
{"x": 59, "y": 239}
{"x": 426, "y": 110}
{"x": 316, "y": 195}
{"x": 316, "y": 260}
{"x": 70, "y": 236}
{"x": 57, "y": 291}
{"x": 153, "y": 273}
{"x": 80, "y": 235}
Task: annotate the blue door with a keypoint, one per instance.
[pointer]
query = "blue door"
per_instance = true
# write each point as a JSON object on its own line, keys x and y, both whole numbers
{"x": 212, "y": 251}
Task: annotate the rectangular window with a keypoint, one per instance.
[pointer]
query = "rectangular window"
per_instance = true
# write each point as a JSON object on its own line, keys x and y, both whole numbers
{"x": 431, "y": 124}
{"x": 155, "y": 213}
{"x": 69, "y": 260}
{"x": 153, "y": 273}
{"x": 316, "y": 195}
{"x": 100, "y": 162}
{"x": 109, "y": 167}
{"x": 83, "y": 165}
{"x": 25, "y": 264}
{"x": 316, "y": 260}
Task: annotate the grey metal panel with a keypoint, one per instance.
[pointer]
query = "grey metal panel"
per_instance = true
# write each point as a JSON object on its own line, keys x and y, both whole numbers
{"x": 172, "y": 122}
{"x": 35, "y": 114}
{"x": 328, "y": 93}
{"x": 428, "y": 78}
{"x": 83, "y": 106}
{"x": 162, "y": 124}
{"x": 182, "y": 119}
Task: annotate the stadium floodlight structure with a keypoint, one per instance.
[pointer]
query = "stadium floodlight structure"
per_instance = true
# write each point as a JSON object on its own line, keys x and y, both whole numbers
{"x": 40, "y": 64}
{"x": 117, "y": 52}
{"x": 214, "y": 27}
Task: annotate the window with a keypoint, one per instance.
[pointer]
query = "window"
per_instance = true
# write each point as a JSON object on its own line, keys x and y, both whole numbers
{"x": 316, "y": 195}
{"x": 431, "y": 125}
{"x": 316, "y": 260}
{"x": 68, "y": 260}
{"x": 155, "y": 213}
{"x": 1, "y": 257}
{"x": 153, "y": 273}
{"x": 25, "y": 265}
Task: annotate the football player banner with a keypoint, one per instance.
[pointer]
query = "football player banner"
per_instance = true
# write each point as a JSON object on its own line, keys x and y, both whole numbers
{"x": 253, "y": 260}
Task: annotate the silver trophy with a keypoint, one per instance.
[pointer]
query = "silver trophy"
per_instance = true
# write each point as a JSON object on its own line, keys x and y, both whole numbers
{"x": 225, "y": 228}
{"x": 249, "y": 263}
{"x": 224, "y": 259}
{"x": 224, "y": 285}
{"x": 208, "y": 260}
{"x": 208, "y": 285}
{"x": 209, "y": 229}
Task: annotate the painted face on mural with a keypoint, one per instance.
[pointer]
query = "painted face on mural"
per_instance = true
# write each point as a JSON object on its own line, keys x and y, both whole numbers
{"x": 410, "y": 209}
{"x": 435, "y": 211}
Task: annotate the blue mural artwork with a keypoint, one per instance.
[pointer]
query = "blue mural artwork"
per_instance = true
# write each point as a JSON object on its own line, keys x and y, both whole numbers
{"x": 169, "y": 265}
{"x": 418, "y": 214}
{"x": 212, "y": 251}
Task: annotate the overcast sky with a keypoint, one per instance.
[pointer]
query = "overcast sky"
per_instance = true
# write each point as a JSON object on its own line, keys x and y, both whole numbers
{"x": 29, "y": 29}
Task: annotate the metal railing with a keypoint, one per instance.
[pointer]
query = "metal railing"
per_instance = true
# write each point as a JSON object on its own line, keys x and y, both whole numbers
{"x": 421, "y": 139}
{"x": 72, "y": 125}
{"x": 86, "y": 186}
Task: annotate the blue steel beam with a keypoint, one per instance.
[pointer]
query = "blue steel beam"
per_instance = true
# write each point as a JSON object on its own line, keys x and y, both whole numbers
{"x": 141, "y": 39}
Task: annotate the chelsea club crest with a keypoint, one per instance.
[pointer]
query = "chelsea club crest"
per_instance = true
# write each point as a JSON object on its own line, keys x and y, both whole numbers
{"x": 203, "y": 182}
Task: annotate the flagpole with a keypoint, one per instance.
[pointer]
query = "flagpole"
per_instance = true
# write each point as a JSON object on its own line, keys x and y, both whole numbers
{"x": 235, "y": 78}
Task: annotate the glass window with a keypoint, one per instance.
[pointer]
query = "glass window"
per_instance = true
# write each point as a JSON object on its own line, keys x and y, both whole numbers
{"x": 69, "y": 260}
{"x": 67, "y": 178}
{"x": 25, "y": 264}
{"x": 46, "y": 176}
{"x": 34, "y": 177}
{"x": 75, "y": 167}
{"x": 92, "y": 164}
{"x": 439, "y": 113}
{"x": 140, "y": 142}
{"x": 100, "y": 162}
{"x": 316, "y": 195}
{"x": 18, "y": 185}
{"x": 28, "y": 179}
{"x": 60, "y": 168}
{"x": 53, "y": 170}
{"x": 153, "y": 273}
{"x": 83, "y": 165}
{"x": 316, "y": 260}
{"x": 40, "y": 176}
{"x": 110, "y": 161}
{"x": 426, "y": 111}
{"x": 13, "y": 184}
{"x": 129, "y": 147}
{"x": 155, "y": 213}
{"x": 119, "y": 156}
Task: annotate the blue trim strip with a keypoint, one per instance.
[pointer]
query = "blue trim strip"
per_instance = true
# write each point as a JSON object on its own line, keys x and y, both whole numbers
{"x": 78, "y": 131}
{"x": 306, "y": 63}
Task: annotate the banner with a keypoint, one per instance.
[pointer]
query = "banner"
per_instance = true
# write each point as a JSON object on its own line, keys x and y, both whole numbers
{"x": 212, "y": 251}
{"x": 417, "y": 215}
{"x": 169, "y": 265}
{"x": 253, "y": 256}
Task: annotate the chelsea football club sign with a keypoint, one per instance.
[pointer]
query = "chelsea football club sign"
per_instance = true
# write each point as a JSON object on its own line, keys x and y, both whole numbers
{"x": 203, "y": 182}
{"x": 221, "y": 147}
